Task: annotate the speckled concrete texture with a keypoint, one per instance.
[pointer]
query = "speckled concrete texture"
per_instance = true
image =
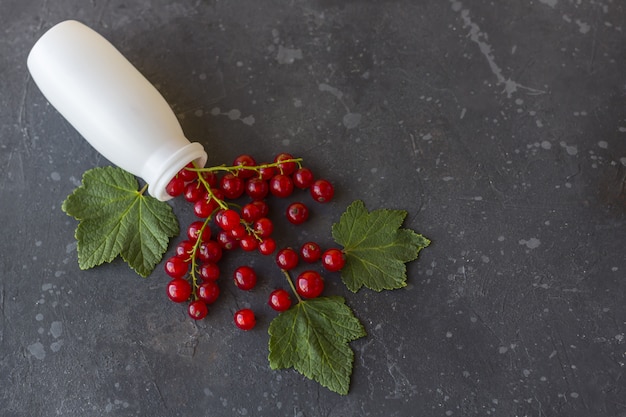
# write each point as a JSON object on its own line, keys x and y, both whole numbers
{"x": 499, "y": 126}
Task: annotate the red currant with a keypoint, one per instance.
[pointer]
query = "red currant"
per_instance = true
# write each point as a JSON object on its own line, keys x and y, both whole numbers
{"x": 248, "y": 243}
{"x": 209, "y": 251}
{"x": 194, "y": 230}
{"x": 209, "y": 271}
{"x": 175, "y": 187}
{"x": 281, "y": 185}
{"x": 176, "y": 267}
{"x": 310, "y": 284}
{"x": 263, "y": 206}
{"x": 186, "y": 174}
{"x": 205, "y": 206}
{"x": 184, "y": 250}
{"x": 251, "y": 212}
{"x": 232, "y": 186}
{"x": 211, "y": 178}
{"x": 279, "y": 300}
{"x": 178, "y": 290}
{"x": 193, "y": 192}
{"x": 333, "y": 260}
{"x": 297, "y": 213}
{"x": 208, "y": 292}
{"x": 197, "y": 309}
{"x": 287, "y": 259}
{"x": 226, "y": 240}
{"x": 245, "y": 160}
{"x": 303, "y": 178}
{"x": 322, "y": 191}
{"x": 266, "y": 173}
{"x": 257, "y": 188}
{"x": 310, "y": 252}
{"x": 245, "y": 278}
{"x": 263, "y": 227}
{"x": 267, "y": 246}
{"x": 286, "y": 168}
{"x": 238, "y": 231}
{"x": 227, "y": 219}
{"x": 245, "y": 319}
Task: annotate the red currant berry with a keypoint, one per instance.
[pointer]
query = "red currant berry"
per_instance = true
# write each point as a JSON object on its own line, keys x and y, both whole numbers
{"x": 297, "y": 213}
{"x": 184, "y": 250}
{"x": 218, "y": 194}
{"x": 197, "y": 309}
{"x": 267, "y": 246}
{"x": 263, "y": 206}
{"x": 251, "y": 212}
{"x": 310, "y": 284}
{"x": 333, "y": 260}
{"x": 178, "y": 290}
{"x": 281, "y": 185}
{"x": 175, "y": 187}
{"x": 211, "y": 178}
{"x": 322, "y": 191}
{"x": 205, "y": 206}
{"x": 245, "y": 319}
{"x": 232, "y": 186}
{"x": 245, "y": 278}
{"x": 209, "y": 251}
{"x": 245, "y": 160}
{"x": 257, "y": 188}
{"x": 208, "y": 292}
{"x": 303, "y": 178}
{"x": 266, "y": 173}
{"x": 238, "y": 231}
{"x": 279, "y": 300}
{"x": 193, "y": 192}
{"x": 310, "y": 252}
{"x": 227, "y": 219}
{"x": 263, "y": 227}
{"x": 287, "y": 259}
{"x": 176, "y": 267}
{"x": 248, "y": 243}
{"x": 186, "y": 174}
{"x": 226, "y": 240}
{"x": 209, "y": 271}
{"x": 197, "y": 227}
{"x": 286, "y": 168}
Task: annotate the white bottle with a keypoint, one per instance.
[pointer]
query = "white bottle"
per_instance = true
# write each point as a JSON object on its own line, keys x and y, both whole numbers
{"x": 111, "y": 104}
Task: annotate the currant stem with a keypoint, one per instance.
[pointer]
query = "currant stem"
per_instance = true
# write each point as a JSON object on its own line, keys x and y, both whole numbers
{"x": 207, "y": 187}
{"x": 291, "y": 285}
{"x": 236, "y": 168}
{"x": 143, "y": 189}
{"x": 194, "y": 251}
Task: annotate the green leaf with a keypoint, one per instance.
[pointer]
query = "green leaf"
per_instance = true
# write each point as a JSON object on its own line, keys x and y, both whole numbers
{"x": 376, "y": 247}
{"x": 117, "y": 219}
{"x": 312, "y": 337}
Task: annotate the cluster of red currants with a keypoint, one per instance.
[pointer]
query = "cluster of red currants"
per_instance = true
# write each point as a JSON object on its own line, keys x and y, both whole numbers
{"x": 224, "y": 225}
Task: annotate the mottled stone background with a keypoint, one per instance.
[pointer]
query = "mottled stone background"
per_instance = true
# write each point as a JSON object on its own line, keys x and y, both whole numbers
{"x": 499, "y": 126}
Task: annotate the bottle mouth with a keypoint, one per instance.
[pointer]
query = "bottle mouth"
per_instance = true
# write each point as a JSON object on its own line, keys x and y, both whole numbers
{"x": 159, "y": 176}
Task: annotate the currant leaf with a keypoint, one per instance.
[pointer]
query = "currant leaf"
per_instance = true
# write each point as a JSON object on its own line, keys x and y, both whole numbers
{"x": 117, "y": 219}
{"x": 376, "y": 247}
{"x": 312, "y": 337}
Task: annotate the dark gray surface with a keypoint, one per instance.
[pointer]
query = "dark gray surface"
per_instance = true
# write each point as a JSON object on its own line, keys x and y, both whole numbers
{"x": 499, "y": 126}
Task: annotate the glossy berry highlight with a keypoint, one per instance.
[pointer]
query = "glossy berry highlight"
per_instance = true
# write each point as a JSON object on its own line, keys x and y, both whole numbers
{"x": 197, "y": 310}
{"x": 333, "y": 260}
{"x": 245, "y": 319}
{"x": 309, "y": 284}
{"x": 279, "y": 300}
{"x": 245, "y": 278}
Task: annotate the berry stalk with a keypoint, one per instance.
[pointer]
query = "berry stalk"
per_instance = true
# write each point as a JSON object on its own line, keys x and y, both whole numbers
{"x": 293, "y": 288}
